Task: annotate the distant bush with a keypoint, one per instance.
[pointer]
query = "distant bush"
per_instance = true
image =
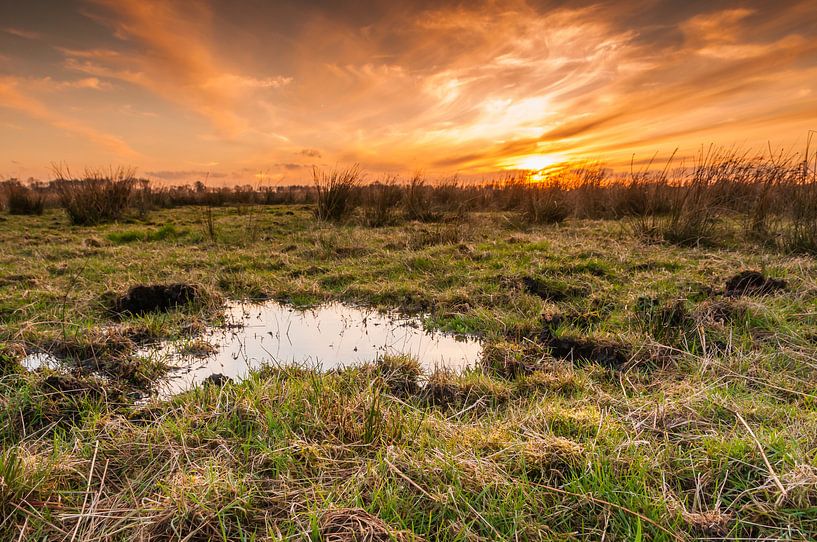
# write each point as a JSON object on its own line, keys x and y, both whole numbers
{"x": 380, "y": 201}
{"x": 418, "y": 200}
{"x": 98, "y": 197}
{"x": 22, "y": 200}
{"x": 336, "y": 192}
{"x": 545, "y": 204}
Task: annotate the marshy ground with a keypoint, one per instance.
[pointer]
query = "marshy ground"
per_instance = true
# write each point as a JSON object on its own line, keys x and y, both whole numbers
{"x": 626, "y": 392}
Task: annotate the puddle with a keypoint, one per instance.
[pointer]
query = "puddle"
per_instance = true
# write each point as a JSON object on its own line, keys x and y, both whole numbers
{"x": 327, "y": 337}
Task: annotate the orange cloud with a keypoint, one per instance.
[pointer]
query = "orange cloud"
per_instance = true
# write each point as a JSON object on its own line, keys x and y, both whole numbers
{"x": 474, "y": 87}
{"x": 173, "y": 59}
{"x": 11, "y": 97}
{"x": 23, "y": 33}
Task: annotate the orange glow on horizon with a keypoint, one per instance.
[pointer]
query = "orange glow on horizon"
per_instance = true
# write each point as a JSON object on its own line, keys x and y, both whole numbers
{"x": 262, "y": 92}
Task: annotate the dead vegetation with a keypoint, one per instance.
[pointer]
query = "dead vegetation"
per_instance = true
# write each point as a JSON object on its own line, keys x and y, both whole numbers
{"x": 21, "y": 199}
{"x": 617, "y": 418}
{"x": 99, "y": 196}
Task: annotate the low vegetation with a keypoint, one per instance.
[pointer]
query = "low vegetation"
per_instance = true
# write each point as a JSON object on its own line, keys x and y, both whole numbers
{"x": 629, "y": 389}
{"x": 768, "y": 199}
{"x": 97, "y": 197}
{"x": 648, "y": 368}
{"x": 21, "y": 199}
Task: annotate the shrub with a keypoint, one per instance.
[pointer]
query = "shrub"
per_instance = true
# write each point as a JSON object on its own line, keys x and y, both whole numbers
{"x": 98, "y": 197}
{"x": 545, "y": 204}
{"x": 418, "y": 203}
{"x": 22, "y": 200}
{"x": 800, "y": 236}
{"x": 380, "y": 201}
{"x": 336, "y": 192}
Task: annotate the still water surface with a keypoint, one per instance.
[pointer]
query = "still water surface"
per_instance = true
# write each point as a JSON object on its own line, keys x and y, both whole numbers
{"x": 326, "y": 337}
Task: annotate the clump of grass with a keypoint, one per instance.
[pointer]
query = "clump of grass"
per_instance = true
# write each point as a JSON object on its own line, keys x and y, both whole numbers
{"x": 556, "y": 378}
{"x": 448, "y": 390}
{"x": 166, "y": 232}
{"x": 12, "y": 480}
{"x": 506, "y": 360}
{"x": 346, "y": 524}
{"x": 668, "y": 322}
{"x": 801, "y": 234}
{"x": 100, "y": 196}
{"x": 428, "y": 236}
{"x": 401, "y": 373}
{"x": 380, "y": 202}
{"x": 22, "y": 200}
{"x": 418, "y": 203}
{"x": 552, "y": 457}
{"x": 336, "y": 192}
{"x": 545, "y": 203}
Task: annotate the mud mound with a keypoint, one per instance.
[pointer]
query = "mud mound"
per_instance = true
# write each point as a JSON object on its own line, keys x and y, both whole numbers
{"x": 605, "y": 353}
{"x": 143, "y": 299}
{"x": 217, "y": 379}
{"x": 550, "y": 290}
{"x": 608, "y": 354}
{"x": 752, "y": 283}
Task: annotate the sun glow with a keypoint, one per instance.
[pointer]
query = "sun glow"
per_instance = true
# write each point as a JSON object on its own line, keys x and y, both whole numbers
{"x": 540, "y": 166}
{"x": 537, "y": 162}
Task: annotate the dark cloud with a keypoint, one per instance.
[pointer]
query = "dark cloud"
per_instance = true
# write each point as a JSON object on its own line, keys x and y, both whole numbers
{"x": 184, "y": 174}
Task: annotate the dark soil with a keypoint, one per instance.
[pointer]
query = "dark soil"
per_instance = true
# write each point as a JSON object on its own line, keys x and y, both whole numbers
{"x": 608, "y": 354}
{"x": 752, "y": 283}
{"x": 217, "y": 379}
{"x": 143, "y": 299}
{"x": 549, "y": 291}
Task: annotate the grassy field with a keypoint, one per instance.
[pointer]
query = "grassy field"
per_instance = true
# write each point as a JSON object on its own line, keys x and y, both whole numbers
{"x": 681, "y": 413}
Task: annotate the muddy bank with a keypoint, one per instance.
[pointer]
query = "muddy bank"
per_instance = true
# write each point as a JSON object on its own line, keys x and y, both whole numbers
{"x": 750, "y": 283}
{"x": 607, "y": 353}
{"x": 144, "y": 299}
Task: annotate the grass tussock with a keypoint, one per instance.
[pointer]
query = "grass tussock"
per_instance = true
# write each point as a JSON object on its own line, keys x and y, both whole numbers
{"x": 98, "y": 197}
{"x": 380, "y": 203}
{"x": 21, "y": 199}
{"x": 336, "y": 191}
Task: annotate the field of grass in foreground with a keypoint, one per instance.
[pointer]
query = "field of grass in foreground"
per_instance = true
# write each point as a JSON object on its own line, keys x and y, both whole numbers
{"x": 690, "y": 414}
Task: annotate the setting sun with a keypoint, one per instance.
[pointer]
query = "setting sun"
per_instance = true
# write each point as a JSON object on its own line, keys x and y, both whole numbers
{"x": 382, "y": 270}
{"x": 179, "y": 89}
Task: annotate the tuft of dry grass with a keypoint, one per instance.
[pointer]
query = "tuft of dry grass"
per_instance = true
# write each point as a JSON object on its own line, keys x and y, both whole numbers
{"x": 380, "y": 202}
{"x": 100, "y": 196}
{"x": 21, "y": 199}
{"x": 357, "y": 525}
{"x": 336, "y": 192}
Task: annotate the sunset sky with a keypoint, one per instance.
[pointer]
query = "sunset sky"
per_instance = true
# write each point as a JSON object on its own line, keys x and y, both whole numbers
{"x": 260, "y": 90}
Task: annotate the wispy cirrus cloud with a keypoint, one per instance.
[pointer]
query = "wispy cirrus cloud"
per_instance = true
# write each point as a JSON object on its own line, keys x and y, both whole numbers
{"x": 173, "y": 57}
{"x": 23, "y": 33}
{"x": 441, "y": 86}
{"x": 13, "y": 97}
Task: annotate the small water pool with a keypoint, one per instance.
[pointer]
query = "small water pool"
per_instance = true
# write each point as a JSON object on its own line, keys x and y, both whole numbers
{"x": 327, "y": 337}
